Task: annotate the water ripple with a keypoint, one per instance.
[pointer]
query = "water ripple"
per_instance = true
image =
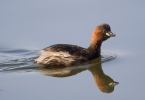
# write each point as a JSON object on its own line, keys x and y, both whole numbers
{"x": 21, "y": 59}
{"x": 16, "y": 58}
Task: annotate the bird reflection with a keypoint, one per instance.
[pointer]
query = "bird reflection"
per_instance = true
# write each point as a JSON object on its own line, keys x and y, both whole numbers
{"x": 105, "y": 83}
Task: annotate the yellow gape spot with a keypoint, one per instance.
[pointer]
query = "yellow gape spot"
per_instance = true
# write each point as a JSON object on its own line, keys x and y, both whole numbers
{"x": 110, "y": 84}
{"x": 107, "y": 34}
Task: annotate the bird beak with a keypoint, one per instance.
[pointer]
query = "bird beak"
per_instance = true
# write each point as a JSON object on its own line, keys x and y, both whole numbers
{"x": 110, "y": 34}
{"x": 113, "y": 83}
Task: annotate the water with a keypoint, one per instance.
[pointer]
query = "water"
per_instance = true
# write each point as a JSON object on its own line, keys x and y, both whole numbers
{"x": 16, "y": 58}
{"x": 28, "y": 26}
{"x": 21, "y": 61}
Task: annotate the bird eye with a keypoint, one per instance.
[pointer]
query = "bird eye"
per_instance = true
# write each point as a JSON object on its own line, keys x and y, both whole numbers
{"x": 107, "y": 86}
{"x": 104, "y": 32}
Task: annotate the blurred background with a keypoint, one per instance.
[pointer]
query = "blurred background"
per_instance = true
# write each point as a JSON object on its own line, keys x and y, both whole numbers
{"x": 36, "y": 24}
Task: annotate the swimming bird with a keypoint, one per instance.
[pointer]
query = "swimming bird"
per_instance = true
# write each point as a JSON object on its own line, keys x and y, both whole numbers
{"x": 65, "y": 55}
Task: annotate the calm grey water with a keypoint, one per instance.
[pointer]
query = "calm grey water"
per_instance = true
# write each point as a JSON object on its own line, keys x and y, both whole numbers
{"x": 28, "y": 26}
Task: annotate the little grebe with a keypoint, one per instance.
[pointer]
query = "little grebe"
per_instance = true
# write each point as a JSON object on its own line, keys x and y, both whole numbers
{"x": 64, "y": 55}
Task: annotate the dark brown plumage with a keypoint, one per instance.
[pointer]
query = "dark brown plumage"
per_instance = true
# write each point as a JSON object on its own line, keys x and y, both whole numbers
{"x": 64, "y": 55}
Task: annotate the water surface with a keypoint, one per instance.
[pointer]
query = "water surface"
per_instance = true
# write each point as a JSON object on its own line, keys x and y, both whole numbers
{"x": 28, "y": 26}
{"x": 17, "y": 64}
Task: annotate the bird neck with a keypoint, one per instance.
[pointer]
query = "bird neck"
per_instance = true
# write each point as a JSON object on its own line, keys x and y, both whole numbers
{"x": 94, "y": 49}
{"x": 98, "y": 74}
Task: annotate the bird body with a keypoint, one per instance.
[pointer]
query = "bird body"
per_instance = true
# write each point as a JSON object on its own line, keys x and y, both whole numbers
{"x": 64, "y": 55}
